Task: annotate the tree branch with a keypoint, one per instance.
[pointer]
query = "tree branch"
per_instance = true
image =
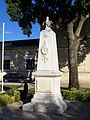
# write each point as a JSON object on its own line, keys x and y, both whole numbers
{"x": 80, "y": 25}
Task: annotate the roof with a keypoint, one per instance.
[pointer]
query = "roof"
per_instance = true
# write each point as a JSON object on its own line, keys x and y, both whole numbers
{"x": 18, "y": 43}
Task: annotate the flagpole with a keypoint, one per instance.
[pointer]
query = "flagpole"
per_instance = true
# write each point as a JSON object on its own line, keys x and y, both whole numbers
{"x": 3, "y": 55}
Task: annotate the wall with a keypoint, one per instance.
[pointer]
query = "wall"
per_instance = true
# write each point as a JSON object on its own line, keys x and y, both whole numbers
{"x": 17, "y": 58}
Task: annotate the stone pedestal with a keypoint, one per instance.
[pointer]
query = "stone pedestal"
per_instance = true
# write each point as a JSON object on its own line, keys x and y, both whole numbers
{"x": 47, "y": 96}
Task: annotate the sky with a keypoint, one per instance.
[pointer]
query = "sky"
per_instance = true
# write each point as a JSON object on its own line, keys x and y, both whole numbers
{"x": 12, "y": 29}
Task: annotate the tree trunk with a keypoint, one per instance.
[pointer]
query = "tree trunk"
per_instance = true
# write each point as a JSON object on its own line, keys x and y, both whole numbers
{"x": 72, "y": 62}
{"x": 73, "y": 43}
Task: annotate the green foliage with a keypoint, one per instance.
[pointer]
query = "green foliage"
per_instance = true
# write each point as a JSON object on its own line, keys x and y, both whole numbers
{"x": 21, "y": 12}
{"x": 26, "y": 12}
{"x": 76, "y": 95}
{"x": 9, "y": 97}
{"x": 83, "y": 6}
{"x": 31, "y": 91}
{"x": 15, "y": 93}
{"x": 4, "y": 99}
{"x": 14, "y": 11}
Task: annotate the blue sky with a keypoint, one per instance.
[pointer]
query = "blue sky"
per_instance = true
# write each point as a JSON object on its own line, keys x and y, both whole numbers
{"x": 12, "y": 30}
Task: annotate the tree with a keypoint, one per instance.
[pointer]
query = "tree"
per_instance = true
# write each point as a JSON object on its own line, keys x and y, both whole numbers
{"x": 72, "y": 14}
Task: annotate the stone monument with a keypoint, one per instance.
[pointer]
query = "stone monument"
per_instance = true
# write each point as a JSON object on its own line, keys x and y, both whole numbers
{"x": 47, "y": 96}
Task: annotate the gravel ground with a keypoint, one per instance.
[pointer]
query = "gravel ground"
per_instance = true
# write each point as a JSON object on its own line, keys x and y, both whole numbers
{"x": 76, "y": 111}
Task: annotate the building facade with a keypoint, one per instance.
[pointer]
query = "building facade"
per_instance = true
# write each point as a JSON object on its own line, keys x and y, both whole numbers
{"x": 20, "y": 56}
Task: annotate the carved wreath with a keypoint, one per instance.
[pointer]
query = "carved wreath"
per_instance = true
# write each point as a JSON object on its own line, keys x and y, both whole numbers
{"x": 44, "y": 50}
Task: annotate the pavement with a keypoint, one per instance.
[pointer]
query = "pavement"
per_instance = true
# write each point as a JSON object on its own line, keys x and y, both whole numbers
{"x": 76, "y": 111}
{"x": 83, "y": 83}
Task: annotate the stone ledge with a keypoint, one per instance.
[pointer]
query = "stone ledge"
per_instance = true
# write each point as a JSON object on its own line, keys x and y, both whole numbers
{"x": 47, "y": 73}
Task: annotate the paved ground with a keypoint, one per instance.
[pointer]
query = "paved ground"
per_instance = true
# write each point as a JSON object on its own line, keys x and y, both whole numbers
{"x": 76, "y": 111}
{"x": 83, "y": 84}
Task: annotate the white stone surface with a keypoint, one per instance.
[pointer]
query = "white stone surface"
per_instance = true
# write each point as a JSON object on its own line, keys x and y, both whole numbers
{"x": 47, "y": 56}
{"x": 49, "y": 83}
{"x": 46, "y": 103}
{"x": 47, "y": 96}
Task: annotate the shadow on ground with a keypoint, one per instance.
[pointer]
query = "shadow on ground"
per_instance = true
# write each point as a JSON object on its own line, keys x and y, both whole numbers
{"x": 76, "y": 111}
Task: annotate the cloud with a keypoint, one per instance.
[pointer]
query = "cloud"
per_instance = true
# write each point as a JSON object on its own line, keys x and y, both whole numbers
{"x": 8, "y": 32}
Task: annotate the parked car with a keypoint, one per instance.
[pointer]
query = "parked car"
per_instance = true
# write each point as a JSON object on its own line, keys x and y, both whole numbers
{"x": 14, "y": 77}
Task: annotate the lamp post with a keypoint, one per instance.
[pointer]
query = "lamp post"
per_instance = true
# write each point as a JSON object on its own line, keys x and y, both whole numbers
{"x": 3, "y": 55}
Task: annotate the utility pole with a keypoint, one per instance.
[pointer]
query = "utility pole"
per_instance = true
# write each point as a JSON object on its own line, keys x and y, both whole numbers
{"x": 3, "y": 55}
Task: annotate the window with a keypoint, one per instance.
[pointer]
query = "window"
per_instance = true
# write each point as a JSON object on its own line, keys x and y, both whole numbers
{"x": 30, "y": 64}
{"x": 6, "y": 64}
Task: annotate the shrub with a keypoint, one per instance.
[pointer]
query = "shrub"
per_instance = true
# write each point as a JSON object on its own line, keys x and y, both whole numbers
{"x": 15, "y": 93}
{"x": 9, "y": 97}
{"x": 12, "y": 99}
{"x": 76, "y": 95}
{"x": 4, "y": 99}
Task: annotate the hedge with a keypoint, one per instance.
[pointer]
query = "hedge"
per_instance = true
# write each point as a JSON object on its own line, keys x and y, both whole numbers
{"x": 76, "y": 95}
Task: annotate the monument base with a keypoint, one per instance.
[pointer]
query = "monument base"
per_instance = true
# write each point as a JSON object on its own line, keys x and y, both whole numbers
{"x": 47, "y": 103}
{"x": 47, "y": 96}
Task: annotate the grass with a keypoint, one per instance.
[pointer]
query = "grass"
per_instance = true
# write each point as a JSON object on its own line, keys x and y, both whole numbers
{"x": 7, "y": 87}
